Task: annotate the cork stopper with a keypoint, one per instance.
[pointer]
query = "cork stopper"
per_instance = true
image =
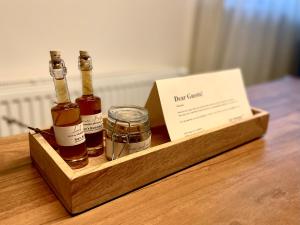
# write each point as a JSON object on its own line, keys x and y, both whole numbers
{"x": 55, "y": 55}
{"x": 57, "y": 66}
{"x": 84, "y": 61}
{"x": 84, "y": 54}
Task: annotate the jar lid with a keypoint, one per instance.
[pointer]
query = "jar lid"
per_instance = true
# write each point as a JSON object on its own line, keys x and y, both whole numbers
{"x": 128, "y": 114}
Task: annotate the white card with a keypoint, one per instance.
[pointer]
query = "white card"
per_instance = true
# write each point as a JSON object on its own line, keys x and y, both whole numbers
{"x": 197, "y": 103}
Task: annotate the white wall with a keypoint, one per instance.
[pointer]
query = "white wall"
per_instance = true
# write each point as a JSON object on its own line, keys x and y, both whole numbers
{"x": 121, "y": 35}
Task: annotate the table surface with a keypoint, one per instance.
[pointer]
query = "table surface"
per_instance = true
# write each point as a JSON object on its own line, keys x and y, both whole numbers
{"x": 257, "y": 183}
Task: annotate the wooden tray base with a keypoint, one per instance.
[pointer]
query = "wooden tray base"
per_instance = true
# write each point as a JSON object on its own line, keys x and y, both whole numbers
{"x": 102, "y": 180}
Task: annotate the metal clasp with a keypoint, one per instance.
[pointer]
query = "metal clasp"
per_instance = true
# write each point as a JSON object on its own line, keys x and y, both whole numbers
{"x": 60, "y": 72}
{"x": 114, "y": 135}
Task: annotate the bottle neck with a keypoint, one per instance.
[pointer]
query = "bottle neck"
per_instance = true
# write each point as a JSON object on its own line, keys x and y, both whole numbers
{"x": 61, "y": 89}
{"x": 58, "y": 71}
{"x": 87, "y": 86}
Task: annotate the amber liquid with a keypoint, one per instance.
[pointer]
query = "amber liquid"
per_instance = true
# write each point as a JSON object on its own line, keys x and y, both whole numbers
{"x": 90, "y": 105}
{"x": 68, "y": 114}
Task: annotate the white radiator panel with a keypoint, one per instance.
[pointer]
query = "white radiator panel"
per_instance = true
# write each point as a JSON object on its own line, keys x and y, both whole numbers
{"x": 29, "y": 102}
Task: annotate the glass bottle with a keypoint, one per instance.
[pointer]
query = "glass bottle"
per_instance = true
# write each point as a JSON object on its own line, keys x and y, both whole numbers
{"x": 67, "y": 124}
{"x": 90, "y": 108}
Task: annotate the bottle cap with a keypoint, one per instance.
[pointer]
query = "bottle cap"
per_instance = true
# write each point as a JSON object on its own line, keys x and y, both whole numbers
{"x": 57, "y": 66}
{"x": 85, "y": 61}
{"x": 84, "y": 53}
{"x": 55, "y": 55}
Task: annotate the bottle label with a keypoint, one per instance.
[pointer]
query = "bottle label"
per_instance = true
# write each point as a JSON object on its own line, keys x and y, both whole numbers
{"x": 70, "y": 135}
{"x": 92, "y": 123}
{"x": 122, "y": 149}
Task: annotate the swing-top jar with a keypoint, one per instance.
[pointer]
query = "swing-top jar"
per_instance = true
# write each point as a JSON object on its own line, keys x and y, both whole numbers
{"x": 128, "y": 131}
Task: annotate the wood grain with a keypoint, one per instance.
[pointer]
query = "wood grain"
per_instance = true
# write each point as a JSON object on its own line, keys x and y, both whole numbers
{"x": 80, "y": 190}
{"x": 118, "y": 177}
{"x": 53, "y": 168}
{"x": 257, "y": 183}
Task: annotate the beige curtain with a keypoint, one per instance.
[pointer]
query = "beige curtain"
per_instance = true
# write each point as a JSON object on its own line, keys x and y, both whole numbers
{"x": 259, "y": 36}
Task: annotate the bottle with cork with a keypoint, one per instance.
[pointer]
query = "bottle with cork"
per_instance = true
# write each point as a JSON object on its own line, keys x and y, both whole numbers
{"x": 90, "y": 107}
{"x": 67, "y": 124}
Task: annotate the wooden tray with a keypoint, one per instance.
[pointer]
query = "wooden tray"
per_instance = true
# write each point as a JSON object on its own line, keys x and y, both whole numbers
{"x": 103, "y": 180}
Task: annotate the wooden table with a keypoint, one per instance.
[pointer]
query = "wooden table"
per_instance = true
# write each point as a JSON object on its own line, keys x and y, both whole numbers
{"x": 257, "y": 183}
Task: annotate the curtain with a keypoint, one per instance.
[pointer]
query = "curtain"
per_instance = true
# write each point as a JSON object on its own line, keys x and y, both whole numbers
{"x": 259, "y": 36}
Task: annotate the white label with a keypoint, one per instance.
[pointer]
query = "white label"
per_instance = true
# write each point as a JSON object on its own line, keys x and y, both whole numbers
{"x": 122, "y": 149}
{"x": 69, "y": 136}
{"x": 92, "y": 123}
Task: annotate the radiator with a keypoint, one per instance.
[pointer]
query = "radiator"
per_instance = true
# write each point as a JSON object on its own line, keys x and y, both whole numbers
{"x": 29, "y": 102}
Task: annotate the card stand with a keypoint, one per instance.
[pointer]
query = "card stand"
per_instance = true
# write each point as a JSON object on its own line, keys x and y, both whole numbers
{"x": 103, "y": 180}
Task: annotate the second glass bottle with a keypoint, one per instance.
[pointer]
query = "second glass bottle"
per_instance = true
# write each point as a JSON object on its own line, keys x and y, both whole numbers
{"x": 90, "y": 107}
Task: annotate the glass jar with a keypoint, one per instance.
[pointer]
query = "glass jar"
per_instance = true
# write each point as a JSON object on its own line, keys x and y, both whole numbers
{"x": 128, "y": 131}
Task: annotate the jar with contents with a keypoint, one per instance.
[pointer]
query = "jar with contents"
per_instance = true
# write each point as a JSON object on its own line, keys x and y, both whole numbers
{"x": 128, "y": 131}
